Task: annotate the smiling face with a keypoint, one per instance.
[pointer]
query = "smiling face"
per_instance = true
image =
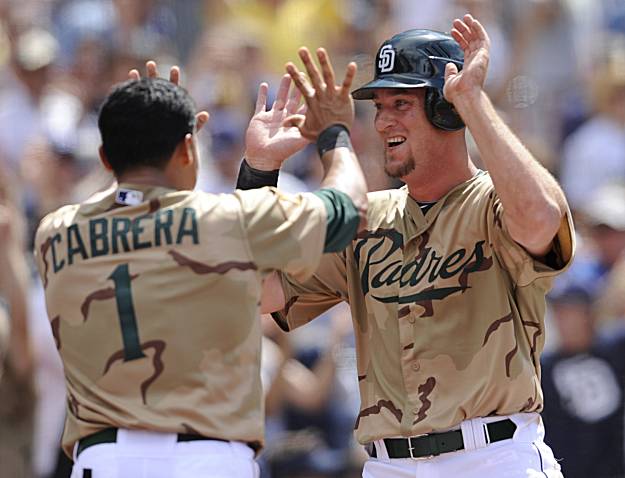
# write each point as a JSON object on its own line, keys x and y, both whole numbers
{"x": 407, "y": 134}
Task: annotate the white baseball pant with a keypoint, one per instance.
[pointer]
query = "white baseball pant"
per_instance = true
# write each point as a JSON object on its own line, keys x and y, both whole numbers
{"x": 525, "y": 455}
{"x": 144, "y": 454}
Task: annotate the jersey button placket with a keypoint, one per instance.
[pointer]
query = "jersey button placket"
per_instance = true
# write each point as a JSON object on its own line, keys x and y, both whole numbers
{"x": 409, "y": 365}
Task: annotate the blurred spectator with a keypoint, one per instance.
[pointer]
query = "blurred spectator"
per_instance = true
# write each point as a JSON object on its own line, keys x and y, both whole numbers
{"x": 614, "y": 15}
{"x": 44, "y": 159}
{"x": 603, "y": 214}
{"x": 595, "y": 154}
{"x": 282, "y": 26}
{"x": 611, "y": 302}
{"x": 309, "y": 428}
{"x": 542, "y": 90}
{"x": 34, "y": 52}
{"x": 49, "y": 381}
{"x": 432, "y": 14}
{"x": 145, "y": 28}
{"x": 226, "y": 144}
{"x": 583, "y": 387}
{"x": 550, "y": 60}
{"x": 16, "y": 386}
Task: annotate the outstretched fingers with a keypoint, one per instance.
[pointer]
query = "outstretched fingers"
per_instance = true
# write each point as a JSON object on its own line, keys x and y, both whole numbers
{"x": 461, "y": 33}
{"x": 201, "y": 119}
{"x": 283, "y": 92}
{"x": 478, "y": 29}
{"x": 134, "y": 74}
{"x": 151, "y": 69}
{"x": 261, "y": 98}
{"x": 174, "y": 75}
{"x": 295, "y": 97}
{"x": 312, "y": 70}
{"x": 469, "y": 33}
{"x": 326, "y": 68}
{"x": 350, "y": 73}
{"x": 300, "y": 81}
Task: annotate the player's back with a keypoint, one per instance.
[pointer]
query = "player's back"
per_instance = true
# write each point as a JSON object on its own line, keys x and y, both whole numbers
{"x": 153, "y": 305}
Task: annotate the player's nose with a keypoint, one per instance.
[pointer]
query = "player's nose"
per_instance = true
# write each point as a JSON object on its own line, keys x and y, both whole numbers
{"x": 383, "y": 120}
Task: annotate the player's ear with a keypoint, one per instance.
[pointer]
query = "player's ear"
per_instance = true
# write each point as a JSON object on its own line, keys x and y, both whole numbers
{"x": 190, "y": 155}
{"x": 103, "y": 159}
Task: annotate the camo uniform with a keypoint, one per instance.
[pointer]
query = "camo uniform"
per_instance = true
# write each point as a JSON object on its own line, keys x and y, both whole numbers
{"x": 447, "y": 309}
{"x": 154, "y": 305}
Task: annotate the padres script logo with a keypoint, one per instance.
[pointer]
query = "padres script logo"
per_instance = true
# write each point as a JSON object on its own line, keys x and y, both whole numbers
{"x": 427, "y": 268}
{"x": 386, "y": 60}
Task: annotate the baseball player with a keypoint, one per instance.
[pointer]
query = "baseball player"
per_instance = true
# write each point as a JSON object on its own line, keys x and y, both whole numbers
{"x": 447, "y": 284}
{"x": 153, "y": 290}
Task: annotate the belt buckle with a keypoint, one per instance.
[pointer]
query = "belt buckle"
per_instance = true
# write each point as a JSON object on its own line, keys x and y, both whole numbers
{"x": 411, "y": 448}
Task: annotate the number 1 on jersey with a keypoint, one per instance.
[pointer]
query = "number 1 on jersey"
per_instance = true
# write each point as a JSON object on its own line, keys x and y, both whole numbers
{"x": 126, "y": 312}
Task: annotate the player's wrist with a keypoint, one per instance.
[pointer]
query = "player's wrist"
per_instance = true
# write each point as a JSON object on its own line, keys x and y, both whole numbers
{"x": 332, "y": 137}
{"x": 253, "y": 178}
{"x": 467, "y": 101}
{"x": 261, "y": 163}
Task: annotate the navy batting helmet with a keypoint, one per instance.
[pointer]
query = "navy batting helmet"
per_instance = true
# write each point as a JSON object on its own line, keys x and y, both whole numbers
{"x": 417, "y": 59}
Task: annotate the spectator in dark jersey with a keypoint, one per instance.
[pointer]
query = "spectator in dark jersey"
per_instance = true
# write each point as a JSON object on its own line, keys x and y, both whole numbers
{"x": 583, "y": 387}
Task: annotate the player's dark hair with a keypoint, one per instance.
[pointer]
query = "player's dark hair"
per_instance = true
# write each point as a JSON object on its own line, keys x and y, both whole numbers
{"x": 142, "y": 121}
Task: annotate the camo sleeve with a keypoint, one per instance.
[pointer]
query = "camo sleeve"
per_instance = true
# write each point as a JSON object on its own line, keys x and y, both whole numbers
{"x": 283, "y": 231}
{"x": 308, "y": 299}
{"x": 523, "y": 268}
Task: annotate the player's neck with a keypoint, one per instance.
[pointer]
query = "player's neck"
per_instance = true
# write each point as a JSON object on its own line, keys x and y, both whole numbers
{"x": 146, "y": 176}
{"x": 431, "y": 184}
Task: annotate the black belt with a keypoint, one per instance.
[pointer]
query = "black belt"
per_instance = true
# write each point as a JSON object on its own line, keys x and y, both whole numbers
{"x": 434, "y": 444}
{"x": 109, "y": 435}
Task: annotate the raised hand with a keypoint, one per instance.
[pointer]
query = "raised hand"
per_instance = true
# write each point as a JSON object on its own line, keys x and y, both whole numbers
{"x": 268, "y": 141}
{"x": 174, "y": 76}
{"x": 327, "y": 103}
{"x": 473, "y": 39}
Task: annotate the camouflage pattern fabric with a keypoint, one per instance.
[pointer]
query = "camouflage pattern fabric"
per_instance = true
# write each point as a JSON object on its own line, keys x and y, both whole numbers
{"x": 448, "y": 310}
{"x": 154, "y": 306}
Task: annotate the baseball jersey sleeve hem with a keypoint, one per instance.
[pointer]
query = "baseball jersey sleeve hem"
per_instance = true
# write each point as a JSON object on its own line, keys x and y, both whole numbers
{"x": 525, "y": 268}
{"x": 342, "y": 221}
{"x": 306, "y": 300}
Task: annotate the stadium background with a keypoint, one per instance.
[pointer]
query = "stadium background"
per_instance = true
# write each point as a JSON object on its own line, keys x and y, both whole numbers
{"x": 557, "y": 75}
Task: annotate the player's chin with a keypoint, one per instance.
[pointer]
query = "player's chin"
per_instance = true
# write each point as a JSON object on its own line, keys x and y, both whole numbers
{"x": 396, "y": 167}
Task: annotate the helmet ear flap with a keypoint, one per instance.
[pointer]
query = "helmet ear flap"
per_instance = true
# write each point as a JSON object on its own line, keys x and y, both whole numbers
{"x": 441, "y": 112}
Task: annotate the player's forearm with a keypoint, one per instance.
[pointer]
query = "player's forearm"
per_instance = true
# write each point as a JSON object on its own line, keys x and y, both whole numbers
{"x": 342, "y": 172}
{"x": 533, "y": 202}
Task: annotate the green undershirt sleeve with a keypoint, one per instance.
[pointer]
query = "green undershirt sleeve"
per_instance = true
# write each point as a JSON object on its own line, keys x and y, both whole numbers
{"x": 343, "y": 219}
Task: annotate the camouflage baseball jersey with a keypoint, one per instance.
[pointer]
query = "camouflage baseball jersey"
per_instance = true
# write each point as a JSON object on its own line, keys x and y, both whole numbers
{"x": 154, "y": 307}
{"x": 447, "y": 310}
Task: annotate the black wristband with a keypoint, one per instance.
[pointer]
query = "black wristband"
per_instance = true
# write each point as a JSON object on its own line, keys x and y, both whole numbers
{"x": 335, "y": 136}
{"x": 251, "y": 178}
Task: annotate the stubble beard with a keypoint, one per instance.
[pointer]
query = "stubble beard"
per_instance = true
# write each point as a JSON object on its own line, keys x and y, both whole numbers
{"x": 398, "y": 171}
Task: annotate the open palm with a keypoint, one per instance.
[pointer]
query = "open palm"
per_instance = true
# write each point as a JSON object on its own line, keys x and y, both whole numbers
{"x": 268, "y": 142}
{"x": 473, "y": 39}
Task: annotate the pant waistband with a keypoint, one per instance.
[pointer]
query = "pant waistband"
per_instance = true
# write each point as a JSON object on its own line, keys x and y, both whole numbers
{"x": 473, "y": 434}
{"x": 109, "y": 435}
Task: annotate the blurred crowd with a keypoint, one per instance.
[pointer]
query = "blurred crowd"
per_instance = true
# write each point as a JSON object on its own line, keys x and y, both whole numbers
{"x": 557, "y": 75}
